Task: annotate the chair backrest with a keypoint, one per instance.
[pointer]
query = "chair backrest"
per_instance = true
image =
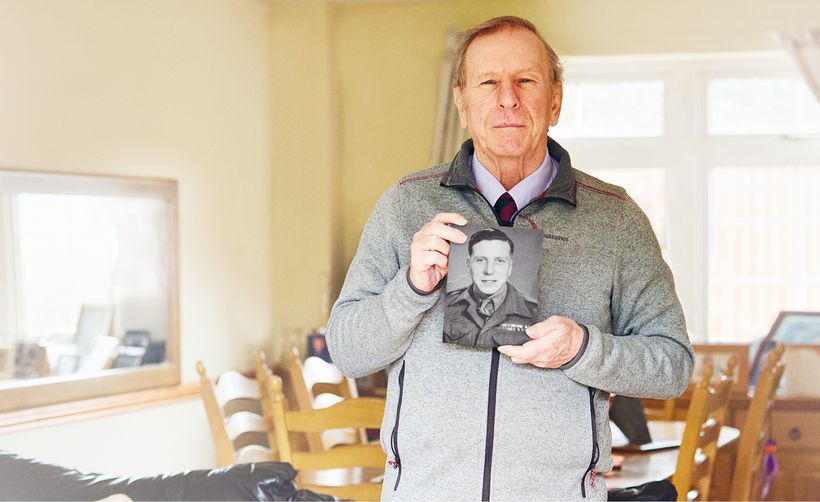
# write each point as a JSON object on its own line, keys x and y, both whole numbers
{"x": 317, "y": 383}
{"x": 354, "y": 412}
{"x": 746, "y": 481}
{"x": 239, "y": 418}
{"x": 707, "y": 413}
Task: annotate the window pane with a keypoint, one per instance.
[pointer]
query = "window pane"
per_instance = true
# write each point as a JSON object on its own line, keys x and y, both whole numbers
{"x": 761, "y": 106}
{"x": 647, "y": 186}
{"x": 626, "y": 109}
{"x": 764, "y": 236}
{"x": 83, "y": 249}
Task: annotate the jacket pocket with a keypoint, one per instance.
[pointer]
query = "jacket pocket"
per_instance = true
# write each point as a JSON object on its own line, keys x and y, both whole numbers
{"x": 593, "y": 460}
{"x": 394, "y": 435}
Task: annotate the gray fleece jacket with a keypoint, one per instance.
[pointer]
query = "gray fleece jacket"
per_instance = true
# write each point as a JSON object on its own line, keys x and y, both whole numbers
{"x": 465, "y": 423}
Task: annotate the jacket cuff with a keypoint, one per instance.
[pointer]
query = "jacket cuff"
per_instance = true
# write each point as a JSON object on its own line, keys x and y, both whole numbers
{"x": 581, "y": 351}
{"x": 417, "y": 290}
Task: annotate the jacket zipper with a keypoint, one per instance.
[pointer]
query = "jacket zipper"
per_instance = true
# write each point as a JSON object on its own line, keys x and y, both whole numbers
{"x": 595, "y": 451}
{"x": 488, "y": 441}
{"x": 394, "y": 436}
{"x": 488, "y": 449}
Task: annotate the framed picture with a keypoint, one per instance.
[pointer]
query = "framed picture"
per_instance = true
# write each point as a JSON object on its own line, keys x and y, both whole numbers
{"x": 800, "y": 333}
{"x": 796, "y": 327}
{"x": 317, "y": 346}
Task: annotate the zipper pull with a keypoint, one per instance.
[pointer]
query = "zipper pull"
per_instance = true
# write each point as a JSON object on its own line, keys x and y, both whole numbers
{"x": 592, "y": 478}
{"x": 393, "y": 463}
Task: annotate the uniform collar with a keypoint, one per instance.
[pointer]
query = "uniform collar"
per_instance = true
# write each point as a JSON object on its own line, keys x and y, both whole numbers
{"x": 514, "y": 302}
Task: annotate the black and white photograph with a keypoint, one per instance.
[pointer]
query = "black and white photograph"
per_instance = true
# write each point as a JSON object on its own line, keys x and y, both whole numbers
{"x": 492, "y": 286}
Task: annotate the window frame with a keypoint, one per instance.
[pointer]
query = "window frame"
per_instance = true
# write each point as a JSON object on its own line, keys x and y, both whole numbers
{"x": 687, "y": 152}
{"x": 51, "y": 390}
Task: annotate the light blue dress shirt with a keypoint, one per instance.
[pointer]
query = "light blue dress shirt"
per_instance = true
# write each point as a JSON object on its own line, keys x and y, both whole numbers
{"x": 524, "y": 191}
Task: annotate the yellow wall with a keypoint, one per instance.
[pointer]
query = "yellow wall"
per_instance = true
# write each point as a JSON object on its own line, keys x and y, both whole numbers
{"x": 174, "y": 89}
{"x": 257, "y": 107}
{"x": 303, "y": 196}
{"x": 387, "y": 58}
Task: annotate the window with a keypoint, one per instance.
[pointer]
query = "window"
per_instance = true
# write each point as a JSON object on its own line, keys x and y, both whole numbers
{"x": 617, "y": 109}
{"x": 761, "y": 106}
{"x": 764, "y": 237}
{"x": 88, "y": 281}
{"x": 726, "y": 169}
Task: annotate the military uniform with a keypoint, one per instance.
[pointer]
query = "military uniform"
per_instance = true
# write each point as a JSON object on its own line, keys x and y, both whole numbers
{"x": 464, "y": 323}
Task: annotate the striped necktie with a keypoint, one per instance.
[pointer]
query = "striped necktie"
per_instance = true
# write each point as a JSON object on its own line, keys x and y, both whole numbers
{"x": 505, "y": 209}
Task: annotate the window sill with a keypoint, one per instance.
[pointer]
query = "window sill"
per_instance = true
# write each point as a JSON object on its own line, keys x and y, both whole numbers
{"x": 63, "y": 413}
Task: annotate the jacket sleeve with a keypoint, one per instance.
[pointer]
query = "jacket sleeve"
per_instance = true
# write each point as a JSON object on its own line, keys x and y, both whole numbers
{"x": 648, "y": 354}
{"x": 372, "y": 322}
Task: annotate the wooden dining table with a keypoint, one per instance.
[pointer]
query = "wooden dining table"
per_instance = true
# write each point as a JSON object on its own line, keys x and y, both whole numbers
{"x": 641, "y": 467}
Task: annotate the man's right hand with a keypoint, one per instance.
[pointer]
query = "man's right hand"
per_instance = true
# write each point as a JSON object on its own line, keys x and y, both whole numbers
{"x": 430, "y": 250}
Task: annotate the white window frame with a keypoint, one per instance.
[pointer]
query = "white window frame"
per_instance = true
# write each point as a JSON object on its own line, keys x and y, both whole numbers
{"x": 687, "y": 151}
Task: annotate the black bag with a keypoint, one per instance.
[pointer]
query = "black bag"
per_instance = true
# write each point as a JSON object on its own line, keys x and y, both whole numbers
{"x": 26, "y": 479}
{"x": 654, "y": 490}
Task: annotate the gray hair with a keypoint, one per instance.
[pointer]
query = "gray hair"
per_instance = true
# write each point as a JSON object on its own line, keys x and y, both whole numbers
{"x": 493, "y": 26}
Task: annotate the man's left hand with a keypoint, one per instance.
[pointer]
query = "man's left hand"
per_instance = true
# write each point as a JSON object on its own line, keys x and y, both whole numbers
{"x": 554, "y": 343}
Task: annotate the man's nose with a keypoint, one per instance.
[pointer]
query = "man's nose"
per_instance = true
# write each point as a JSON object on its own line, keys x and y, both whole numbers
{"x": 508, "y": 96}
{"x": 488, "y": 269}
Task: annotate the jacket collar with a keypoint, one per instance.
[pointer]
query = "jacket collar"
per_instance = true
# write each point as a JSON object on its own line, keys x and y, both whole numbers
{"x": 562, "y": 187}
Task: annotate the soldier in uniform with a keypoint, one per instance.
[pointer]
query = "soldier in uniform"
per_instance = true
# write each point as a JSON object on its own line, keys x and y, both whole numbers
{"x": 490, "y": 312}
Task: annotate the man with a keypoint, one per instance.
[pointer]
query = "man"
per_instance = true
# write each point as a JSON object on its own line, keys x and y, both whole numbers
{"x": 522, "y": 422}
{"x": 491, "y": 311}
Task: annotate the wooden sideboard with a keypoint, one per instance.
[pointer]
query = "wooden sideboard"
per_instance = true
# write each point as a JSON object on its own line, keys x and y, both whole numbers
{"x": 795, "y": 427}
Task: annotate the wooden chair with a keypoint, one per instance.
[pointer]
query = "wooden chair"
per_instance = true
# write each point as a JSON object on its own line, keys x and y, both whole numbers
{"x": 707, "y": 414}
{"x": 317, "y": 384}
{"x": 746, "y": 481}
{"x": 717, "y": 353}
{"x": 354, "y": 412}
{"x": 239, "y": 417}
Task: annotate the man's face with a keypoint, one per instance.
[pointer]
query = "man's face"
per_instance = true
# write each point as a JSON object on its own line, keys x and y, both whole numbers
{"x": 508, "y": 100}
{"x": 490, "y": 265}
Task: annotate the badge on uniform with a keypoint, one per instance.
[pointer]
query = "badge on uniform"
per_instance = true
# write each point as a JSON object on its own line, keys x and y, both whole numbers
{"x": 492, "y": 286}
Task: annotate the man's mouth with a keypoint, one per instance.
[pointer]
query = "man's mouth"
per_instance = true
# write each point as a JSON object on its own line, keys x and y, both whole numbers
{"x": 508, "y": 125}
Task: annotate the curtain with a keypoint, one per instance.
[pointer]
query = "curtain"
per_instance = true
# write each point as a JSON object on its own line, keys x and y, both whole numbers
{"x": 804, "y": 47}
{"x": 448, "y": 134}
{"x": 9, "y": 270}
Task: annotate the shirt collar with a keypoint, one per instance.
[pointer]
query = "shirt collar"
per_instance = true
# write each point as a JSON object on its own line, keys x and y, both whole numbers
{"x": 563, "y": 186}
{"x": 524, "y": 191}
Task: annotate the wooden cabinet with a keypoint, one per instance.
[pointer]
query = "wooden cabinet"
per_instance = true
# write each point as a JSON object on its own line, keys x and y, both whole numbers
{"x": 795, "y": 427}
{"x": 799, "y": 477}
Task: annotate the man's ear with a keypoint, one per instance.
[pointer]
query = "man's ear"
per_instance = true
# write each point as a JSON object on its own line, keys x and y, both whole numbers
{"x": 458, "y": 99}
{"x": 557, "y": 100}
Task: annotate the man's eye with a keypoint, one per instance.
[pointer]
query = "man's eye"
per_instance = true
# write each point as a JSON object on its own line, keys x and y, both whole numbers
{"x": 500, "y": 260}
{"x": 525, "y": 80}
{"x": 480, "y": 260}
{"x": 488, "y": 82}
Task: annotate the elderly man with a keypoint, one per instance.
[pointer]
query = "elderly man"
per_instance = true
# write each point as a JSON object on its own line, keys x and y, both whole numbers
{"x": 513, "y": 422}
{"x": 491, "y": 311}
